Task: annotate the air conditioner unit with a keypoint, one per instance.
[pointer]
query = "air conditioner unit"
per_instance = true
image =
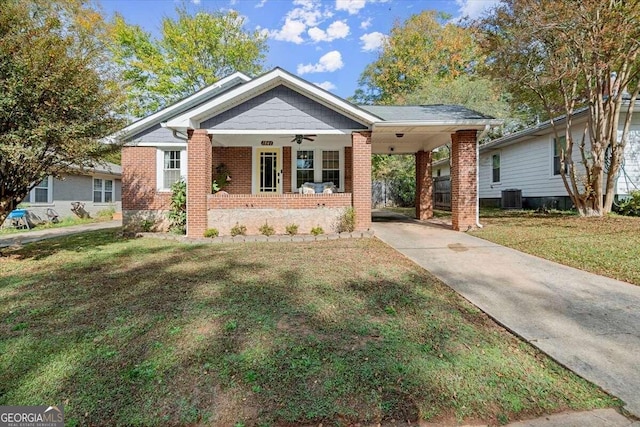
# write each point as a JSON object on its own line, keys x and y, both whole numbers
{"x": 512, "y": 199}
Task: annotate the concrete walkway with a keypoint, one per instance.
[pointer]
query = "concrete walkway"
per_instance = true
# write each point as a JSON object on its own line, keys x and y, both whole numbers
{"x": 48, "y": 233}
{"x": 588, "y": 323}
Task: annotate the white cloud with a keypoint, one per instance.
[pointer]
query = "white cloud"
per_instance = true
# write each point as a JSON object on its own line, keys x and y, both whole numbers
{"x": 372, "y": 41}
{"x": 327, "y": 85}
{"x": 337, "y": 30}
{"x": 474, "y": 8}
{"x": 365, "y": 24}
{"x": 329, "y": 62}
{"x": 306, "y": 13}
{"x": 290, "y": 32}
{"x": 351, "y": 6}
{"x": 196, "y": 2}
{"x": 261, "y": 3}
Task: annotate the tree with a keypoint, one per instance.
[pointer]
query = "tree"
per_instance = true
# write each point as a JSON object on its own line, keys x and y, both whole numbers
{"x": 424, "y": 47}
{"x": 53, "y": 103}
{"x": 560, "y": 56}
{"x": 193, "y": 52}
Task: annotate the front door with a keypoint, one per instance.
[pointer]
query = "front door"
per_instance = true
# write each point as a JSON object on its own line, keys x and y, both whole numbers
{"x": 268, "y": 170}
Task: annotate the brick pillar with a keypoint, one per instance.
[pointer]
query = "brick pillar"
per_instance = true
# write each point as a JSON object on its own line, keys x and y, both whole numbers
{"x": 199, "y": 164}
{"x": 464, "y": 195}
{"x": 361, "y": 178}
{"x": 424, "y": 186}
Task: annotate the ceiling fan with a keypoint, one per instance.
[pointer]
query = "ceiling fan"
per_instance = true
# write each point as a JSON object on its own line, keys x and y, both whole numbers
{"x": 298, "y": 138}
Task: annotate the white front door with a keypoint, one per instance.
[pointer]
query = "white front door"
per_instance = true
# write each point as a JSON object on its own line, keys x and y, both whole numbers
{"x": 268, "y": 170}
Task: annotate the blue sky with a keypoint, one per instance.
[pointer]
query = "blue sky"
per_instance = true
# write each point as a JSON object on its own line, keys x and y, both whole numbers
{"x": 327, "y": 42}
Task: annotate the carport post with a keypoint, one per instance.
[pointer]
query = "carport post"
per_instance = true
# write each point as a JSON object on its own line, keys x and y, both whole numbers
{"x": 424, "y": 185}
{"x": 464, "y": 175}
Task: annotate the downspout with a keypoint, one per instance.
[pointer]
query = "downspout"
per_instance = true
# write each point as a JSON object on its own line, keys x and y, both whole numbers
{"x": 483, "y": 133}
{"x": 176, "y": 135}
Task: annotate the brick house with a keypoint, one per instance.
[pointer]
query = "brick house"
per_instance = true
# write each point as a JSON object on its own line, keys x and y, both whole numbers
{"x": 287, "y": 152}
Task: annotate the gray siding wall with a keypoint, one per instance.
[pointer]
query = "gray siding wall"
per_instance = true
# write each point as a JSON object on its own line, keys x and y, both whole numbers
{"x": 155, "y": 134}
{"x": 76, "y": 188}
{"x": 280, "y": 108}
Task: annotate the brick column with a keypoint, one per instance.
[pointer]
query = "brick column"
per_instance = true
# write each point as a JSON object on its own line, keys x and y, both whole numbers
{"x": 199, "y": 161}
{"x": 424, "y": 185}
{"x": 361, "y": 176}
{"x": 464, "y": 195}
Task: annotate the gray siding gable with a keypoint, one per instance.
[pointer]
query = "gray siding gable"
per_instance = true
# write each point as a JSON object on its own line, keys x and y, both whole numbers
{"x": 280, "y": 108}
{"x": 155, "y": 134}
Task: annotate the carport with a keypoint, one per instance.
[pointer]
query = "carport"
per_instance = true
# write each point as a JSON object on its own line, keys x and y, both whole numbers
{"x": 418, "y": 130}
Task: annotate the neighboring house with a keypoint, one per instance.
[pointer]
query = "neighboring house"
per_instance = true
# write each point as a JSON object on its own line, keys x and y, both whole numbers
{"x": 98, "y": 188}
{"x": 528, "y": 162}
{"x": 264, "y": 138}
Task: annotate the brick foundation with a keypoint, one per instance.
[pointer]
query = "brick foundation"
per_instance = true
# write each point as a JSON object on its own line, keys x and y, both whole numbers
{"x": 464, "y": 194}
{"x": 424, "y": 185}
{"x": 361, "y": 191}
{"x": 199, "y": 154}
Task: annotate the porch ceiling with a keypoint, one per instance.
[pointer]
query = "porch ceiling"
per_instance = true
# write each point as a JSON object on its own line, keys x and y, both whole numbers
{"x": 280, "y": 138}
{"x": 411, "y": 137}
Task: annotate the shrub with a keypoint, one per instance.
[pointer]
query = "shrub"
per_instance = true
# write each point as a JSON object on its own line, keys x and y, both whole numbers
{"x": 106, "y": 213}
{"x": 211, "y": 232}
{"x": 317, "y": 230}
{"x": 292, "y": 229}
{"x": 347, "y": 221}
{"x": 631, "y": 206}
{"x": 178, "y": 210}
{"x": 147, "y": 225}
{"x": 238, "y": 230}
{"x": 267, "y": 230}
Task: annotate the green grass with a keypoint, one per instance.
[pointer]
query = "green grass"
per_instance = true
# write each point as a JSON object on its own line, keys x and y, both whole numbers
{"x": 64, "y": 222}
{"x": 608, "y": 246}
{"x": 151, "y": 332}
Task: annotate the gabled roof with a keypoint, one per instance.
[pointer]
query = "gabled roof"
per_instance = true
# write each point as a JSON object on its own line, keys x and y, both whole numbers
{"x": 542, "y": 128}
{"x": 191, "y": 119}
{"x": 185, "y": 104}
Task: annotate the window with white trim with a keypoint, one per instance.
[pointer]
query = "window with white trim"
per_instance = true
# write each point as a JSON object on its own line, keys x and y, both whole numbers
{"x": 558, "y": 146}
{"x": 171, "y": 166}
{"x": 304, "y": 166}
{"x": 102, "y": 190}
{"x": 331, "y": 167}
{"x": 42, "y": 192}
{"x": 171, "y": 169}
{"x": 495, "y": 161}
{"x": 318, "y": 165}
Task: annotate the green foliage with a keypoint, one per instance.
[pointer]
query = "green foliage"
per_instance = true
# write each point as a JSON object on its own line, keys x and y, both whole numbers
{"x": 426, "y": 47}
{"x": 211, "y": 232}
{"x": 346, "y": 221}
{"x": 194, "y": 50}
{"x": 238, "y": 230}
{"x": 178, "y": 210}
{"x": 106, "y": 213}
{"x": 55, "y": 101}
{"x": 292, "y": 229}
{"x": 398, "y": 172}
{"x": 267, "y": 230}
{"x": 317, "y": 230}
{"x": 631, "y": 206}
{"x": 147, "y": 225}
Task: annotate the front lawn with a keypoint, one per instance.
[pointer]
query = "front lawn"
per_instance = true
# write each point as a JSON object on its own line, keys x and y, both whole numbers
{"x": 151, "y": 332}
{"x": 608, "y": 246}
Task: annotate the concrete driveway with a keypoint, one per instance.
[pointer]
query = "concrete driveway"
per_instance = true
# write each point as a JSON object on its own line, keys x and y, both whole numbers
{"x": 589, "y": 323}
